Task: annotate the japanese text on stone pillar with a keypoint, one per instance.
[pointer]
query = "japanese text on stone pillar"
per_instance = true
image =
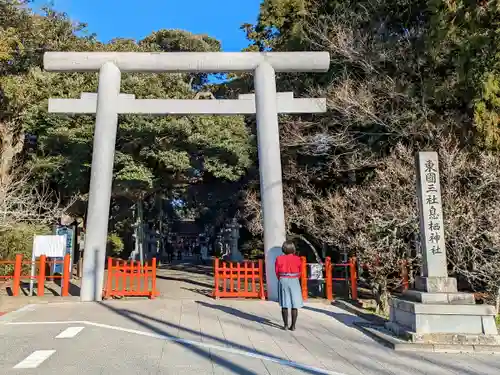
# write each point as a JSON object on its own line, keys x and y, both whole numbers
{"x": 431, "y": 215}
{"x": 432, "y": 200}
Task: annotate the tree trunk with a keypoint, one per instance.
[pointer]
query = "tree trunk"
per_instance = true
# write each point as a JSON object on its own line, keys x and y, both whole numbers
{"x": 140, "y": 232}
{"x": 381, "y": 295}
{"x": 497, "y": 301}
{"x": 318, "y": 258}
{"x": 138, "y": 251}
{"x": 10, "y": 146}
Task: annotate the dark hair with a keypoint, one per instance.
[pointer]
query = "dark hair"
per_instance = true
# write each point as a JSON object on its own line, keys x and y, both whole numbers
{"x": 288, "y": 247}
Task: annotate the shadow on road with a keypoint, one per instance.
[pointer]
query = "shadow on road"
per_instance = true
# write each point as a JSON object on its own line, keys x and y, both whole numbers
{"x": 149, "y": 322}
{"x": 51, "y": 288}
{"x": 239, "y": 314}
{"x": 349, "y": 320}
{"x": 189, "y": 267}
{"x": 203, "y": 292}
{"x": 141, "y": 319}
{"x": 184, "y": 280}
{"x": 346, "y": 319}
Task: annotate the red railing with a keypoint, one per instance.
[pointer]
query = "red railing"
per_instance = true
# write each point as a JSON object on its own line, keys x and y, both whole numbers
{"x": 303, "y": 278}
{"x": 40, "y": 276}
{"x": 404, "y": 275}
{"x": 130, "y": 278}
{"x": 351, "y": 277}
{"x": 238, "y": 280}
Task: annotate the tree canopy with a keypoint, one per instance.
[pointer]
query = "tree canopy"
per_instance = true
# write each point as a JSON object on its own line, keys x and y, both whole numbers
{"x": 155, "y": 156}
{"x": 152, "y": 153}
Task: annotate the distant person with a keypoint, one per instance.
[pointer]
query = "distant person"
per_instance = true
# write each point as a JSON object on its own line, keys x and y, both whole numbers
{"x": 180, "y": 250}
{"x": 197, "y": 252}
{"x": 287, "y": 269}
{"x": 170, "y": 252}
{"x": 204, "y": 254}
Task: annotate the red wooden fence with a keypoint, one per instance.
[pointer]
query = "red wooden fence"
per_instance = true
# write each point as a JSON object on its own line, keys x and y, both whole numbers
{"x": 403, "y": 273}
{"x": 351, "y": 277}
{"x": 233, "y": 279}
{"x": 130, "y": 278}
{"x": 40, "y": 276}
{"x": 303, "y": 278}
{"x": 238, "y": 280}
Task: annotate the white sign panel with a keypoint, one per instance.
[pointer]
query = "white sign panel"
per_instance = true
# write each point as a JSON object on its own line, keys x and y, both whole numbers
{"x": 316, "y": 271}
{"x": 51, "y": 246}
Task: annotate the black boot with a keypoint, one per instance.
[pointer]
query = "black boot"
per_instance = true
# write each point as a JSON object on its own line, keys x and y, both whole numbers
{"x": 295, "y": 313}
{"x": 284, "y": 315}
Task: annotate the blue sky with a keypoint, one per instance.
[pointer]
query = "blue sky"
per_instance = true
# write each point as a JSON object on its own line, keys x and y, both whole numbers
{"x": 136, "y": 19}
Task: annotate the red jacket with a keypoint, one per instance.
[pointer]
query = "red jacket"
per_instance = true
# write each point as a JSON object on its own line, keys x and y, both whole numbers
{"x": 288, "y": 264}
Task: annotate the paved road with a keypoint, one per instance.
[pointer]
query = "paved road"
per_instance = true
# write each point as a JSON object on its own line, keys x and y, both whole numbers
{"x": 185, "y": 280}
{"x": 167, "y": 336}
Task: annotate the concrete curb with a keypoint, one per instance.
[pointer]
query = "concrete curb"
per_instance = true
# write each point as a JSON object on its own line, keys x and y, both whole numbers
{"x": 358, "y": 311}
{"x": 29, "y": 304}
{"x": 383, "y": 336}
{"x": 10, "y": 315}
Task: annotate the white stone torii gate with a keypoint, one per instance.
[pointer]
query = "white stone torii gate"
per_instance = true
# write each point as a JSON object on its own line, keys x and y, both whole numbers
{"x": 108, "y": 103}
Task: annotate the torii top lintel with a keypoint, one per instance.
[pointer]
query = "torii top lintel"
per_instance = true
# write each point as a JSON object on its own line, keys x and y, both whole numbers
{"x": 209, "y": 62}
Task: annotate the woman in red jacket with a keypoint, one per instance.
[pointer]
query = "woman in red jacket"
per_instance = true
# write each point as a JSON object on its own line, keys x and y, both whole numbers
{"x": 287, "y": 269}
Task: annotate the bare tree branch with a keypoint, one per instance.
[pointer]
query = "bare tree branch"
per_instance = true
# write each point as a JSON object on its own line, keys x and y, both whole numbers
{"x": 23, "y": 202}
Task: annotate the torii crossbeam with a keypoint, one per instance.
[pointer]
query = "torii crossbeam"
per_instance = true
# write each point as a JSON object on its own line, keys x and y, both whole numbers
{"x": 244, "y": 105}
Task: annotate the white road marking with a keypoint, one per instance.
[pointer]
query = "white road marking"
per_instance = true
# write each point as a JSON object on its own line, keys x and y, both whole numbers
{"x": 69, "y": 332}
{"x": 280, "y": 361}
{"x": 30, "y": 307}
{"x": 35, "y": 359}
{"x": 10, "y": 315}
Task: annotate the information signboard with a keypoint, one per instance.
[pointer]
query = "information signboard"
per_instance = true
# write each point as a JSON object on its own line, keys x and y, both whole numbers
{"x": 51, "y": 246}
{"x": 68, "y": 234}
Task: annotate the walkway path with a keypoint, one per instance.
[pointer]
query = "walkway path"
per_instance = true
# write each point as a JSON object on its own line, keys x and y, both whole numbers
{"x": 167, "y": 336}
{"x": 185, "y": 279}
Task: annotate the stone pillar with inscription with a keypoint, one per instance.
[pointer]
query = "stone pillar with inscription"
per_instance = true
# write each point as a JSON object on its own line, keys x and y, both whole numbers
{"x": 434, "y": 278}
{"x": 434, "y": 312}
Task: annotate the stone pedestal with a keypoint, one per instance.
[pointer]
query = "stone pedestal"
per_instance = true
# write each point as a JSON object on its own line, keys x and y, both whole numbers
{"x": 438, "y": 314}
{"x": 436, "y": 284}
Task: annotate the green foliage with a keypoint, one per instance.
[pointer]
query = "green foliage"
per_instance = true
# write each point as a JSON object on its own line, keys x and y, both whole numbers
{"x": 449, "y": 51}
{"x": 253, "y": 249}
{"x": 115, "y": 245}
{"x": 183, "y": 41}
{"x": 152, "y": 153}
{"x": 464, "y": 43}
{"x": 487, "y": 112}
{"x": 18, "y": 240}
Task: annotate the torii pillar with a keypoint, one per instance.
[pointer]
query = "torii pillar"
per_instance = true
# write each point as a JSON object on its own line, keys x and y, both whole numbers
{"x": 109, "y": 103}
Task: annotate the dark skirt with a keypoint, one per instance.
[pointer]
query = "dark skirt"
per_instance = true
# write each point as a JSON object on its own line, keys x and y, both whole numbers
{"x": 290, "y": 293}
